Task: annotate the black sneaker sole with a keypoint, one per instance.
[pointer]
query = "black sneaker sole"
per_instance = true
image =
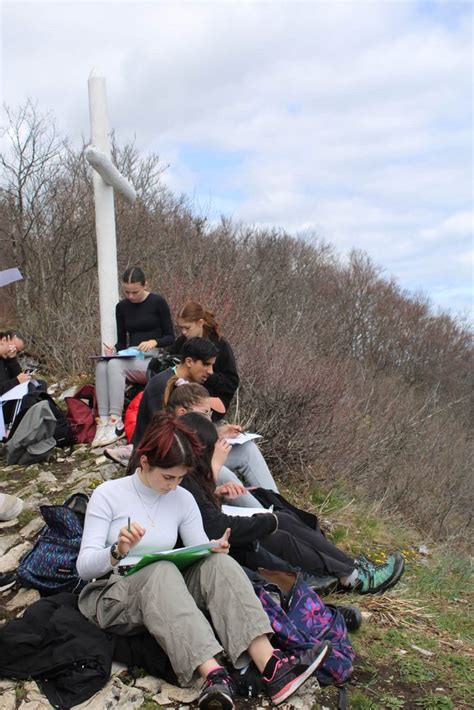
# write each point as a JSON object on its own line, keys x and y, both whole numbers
{"x": 111, "y": 458}
{"x": 297, "y": 682}
{"x": 216, "y": 700}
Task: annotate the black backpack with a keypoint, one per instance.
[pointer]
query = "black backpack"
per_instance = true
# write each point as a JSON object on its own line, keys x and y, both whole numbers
{"x": 62, "y": 433}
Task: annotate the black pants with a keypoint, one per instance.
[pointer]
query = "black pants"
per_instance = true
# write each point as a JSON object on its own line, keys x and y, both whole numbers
{"x": 307, "y": 548}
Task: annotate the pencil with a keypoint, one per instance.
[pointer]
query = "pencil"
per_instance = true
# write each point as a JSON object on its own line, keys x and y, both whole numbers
{"x": 128, "y": 526}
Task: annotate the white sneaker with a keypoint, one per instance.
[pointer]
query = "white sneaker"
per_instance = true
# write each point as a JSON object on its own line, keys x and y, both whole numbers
{"x": 10, "y": 507}
{"x": 109, "y": 435}
{"x": 120, "y": 454}
{"x": 97, "y": 441}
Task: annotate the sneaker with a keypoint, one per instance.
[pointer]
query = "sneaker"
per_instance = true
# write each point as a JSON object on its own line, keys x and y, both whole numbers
{"x": 374, "y": 579}
{"x": 352, "y": 617}
{"x": 218, "y": 692}
{"x": 120, "y": 454}
{"x": 7, "y": 580}
{"x": 99, "y": 432}
{"x": 290, "y": 672}
{"x": 10, "y": 507}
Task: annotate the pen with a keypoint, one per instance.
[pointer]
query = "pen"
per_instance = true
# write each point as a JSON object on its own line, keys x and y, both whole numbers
{"x": 128, "y": 526}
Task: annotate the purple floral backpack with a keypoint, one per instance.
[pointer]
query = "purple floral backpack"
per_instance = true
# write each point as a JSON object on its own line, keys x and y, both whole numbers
{"x": 304, "y": 621}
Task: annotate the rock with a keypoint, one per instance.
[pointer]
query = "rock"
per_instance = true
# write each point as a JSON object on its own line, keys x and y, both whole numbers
{"x": 80, "y": 449}
{"x": 107, "y": 472}
{"x": 10, "y": 561}
{"x": 8, "y": 700}
{"x": 118, "y": 668}
{"x": 114, "y": 695}
{"x": 46, "y": 477}
{"x": 32, "y": 527}
{"x": 9, "y": 523}
{"x": 24, "y": 598}
{"x": 423, "y": 550}
{"x": 7, "y": 541}
{"x": 149, "y": 684}
{"x": 100, "y": 459}
{"x": 7, "y": 685}
{"x": 34, "y": 700}
{"x": 305, "y": 697}
{"x": 171, "y": 693}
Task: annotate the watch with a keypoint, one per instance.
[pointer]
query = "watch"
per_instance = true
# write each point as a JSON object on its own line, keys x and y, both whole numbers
{"x": 116, "y": 554}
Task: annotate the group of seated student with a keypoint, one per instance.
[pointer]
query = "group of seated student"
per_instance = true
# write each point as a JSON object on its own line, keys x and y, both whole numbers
{"x": 181, "y": 468}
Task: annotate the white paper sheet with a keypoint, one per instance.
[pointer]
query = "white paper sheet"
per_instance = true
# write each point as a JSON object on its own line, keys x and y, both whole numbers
{"x": 243, "y": 438}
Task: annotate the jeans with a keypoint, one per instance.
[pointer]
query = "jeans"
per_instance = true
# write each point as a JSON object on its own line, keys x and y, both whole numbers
{"x": 248, "y": 462}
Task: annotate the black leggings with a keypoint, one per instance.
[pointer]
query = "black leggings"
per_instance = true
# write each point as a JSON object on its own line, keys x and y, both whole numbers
{"x": 307, "y": 548}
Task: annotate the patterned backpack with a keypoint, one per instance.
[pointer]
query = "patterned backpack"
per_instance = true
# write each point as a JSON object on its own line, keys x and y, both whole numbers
{"x": 50, "y": 567}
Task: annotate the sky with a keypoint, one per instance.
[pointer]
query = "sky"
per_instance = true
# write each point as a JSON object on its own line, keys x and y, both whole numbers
{"x": 346, "y": 121}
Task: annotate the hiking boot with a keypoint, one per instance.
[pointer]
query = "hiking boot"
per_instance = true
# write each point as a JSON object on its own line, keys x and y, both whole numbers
{"x": 287, "y": 673}
{"x": 374, "y": 579}
{"x": 218, "y": 692}
{"x": 120, "y": 454}
{"x": 352, "y": 617}
{"x": 10, "y": 507}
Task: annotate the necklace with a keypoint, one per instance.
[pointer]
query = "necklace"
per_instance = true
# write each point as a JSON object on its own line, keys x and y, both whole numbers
{"x": 154, "y": 506}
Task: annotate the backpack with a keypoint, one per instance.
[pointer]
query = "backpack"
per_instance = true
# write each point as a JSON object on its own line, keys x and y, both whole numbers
{"x": 131, "y": 415}
{"x": 62, "y": 431}
{"x": 300, "y": 619}
{"x": 161, "y": 362}
{"x": 33, "y": 438}
{"x": 81, "y": 415}
{"x": 50, "y": 567}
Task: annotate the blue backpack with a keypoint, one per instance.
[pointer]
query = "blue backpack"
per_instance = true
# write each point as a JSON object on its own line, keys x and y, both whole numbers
{"x": 50, "y": 567}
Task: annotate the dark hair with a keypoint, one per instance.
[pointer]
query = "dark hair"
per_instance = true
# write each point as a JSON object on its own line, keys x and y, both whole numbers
{"x": 134, "y": 275}
{"x": 186, "y": 396}
{"x": 13, "y": 334}
{"x": 168, "y": 442}
{"x": 199, "y": 349}
{"x": 207, "y": 435}
{"x": 193, "y": 311}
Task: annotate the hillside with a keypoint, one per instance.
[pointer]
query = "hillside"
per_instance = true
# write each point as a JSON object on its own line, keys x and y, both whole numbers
{"x": 414, "y": 650}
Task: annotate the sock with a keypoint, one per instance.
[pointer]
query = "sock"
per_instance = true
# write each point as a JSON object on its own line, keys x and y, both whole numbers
{"x": 350, "y": 580}
{"x": 217, "y": 668}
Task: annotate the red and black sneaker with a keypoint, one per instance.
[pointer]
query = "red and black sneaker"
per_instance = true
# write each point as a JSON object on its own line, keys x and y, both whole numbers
{"x": 284, "y": 674}
{"x": 218, "y": 692}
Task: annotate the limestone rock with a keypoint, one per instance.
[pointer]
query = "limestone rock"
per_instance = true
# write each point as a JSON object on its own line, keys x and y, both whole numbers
{"x": 149, "y": 684}
{"x": 8, "y": 700}
{"x": 107, "y": 472}
{"x": 9, "y": 523}
{"x": 118, "y": 668}
{"x": 24, "y": 598}
{"x": 7, "y": 541}
{"x": 171, "y": 693}
{"x": 114, "y": 695}
{"x": 10, "y": 561}
{"x": 32, "y": 527}
{"x": 34, "y": 700}
{"x": 7, "y": 685}
{"x": 100, "y": 459}
{"x": 46, "y": 477}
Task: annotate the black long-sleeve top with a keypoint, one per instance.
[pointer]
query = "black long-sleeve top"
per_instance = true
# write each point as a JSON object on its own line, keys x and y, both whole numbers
{"x": 147, "y": 320}
{"x": 225, "y": 379}
{"x": 9, "y": 369}
{"x": 244, "y": 530}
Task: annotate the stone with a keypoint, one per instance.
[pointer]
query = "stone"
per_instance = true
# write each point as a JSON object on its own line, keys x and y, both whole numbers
{"x": 107, "y": 472}
{"x": 46, "y": 477}
{"x": 7, "y": 685}
{"x": 149, "y": 684}
{"x": 118, "y": 668}
{"x": 10, "y": 561}
{"x": 32, "y": 527}
{"x": 34, "y": 700}
{"x": 8, "y": 700}
{"x": 7, "y": 541}
{"x": 114, "y": 695}
{"x": 24, "y": 598}
{"x": 100, "y": 459}
{"x": 9, "y": 524}
{"x": 171, "y": 693}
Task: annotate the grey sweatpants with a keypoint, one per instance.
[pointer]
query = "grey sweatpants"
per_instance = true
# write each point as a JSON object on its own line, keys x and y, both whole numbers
{"x": 170, "y": 604}
{"x": 110, "y": 380}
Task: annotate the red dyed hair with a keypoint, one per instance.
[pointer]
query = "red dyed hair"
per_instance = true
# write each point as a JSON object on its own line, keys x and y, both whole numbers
{"x": 168, "y": 442}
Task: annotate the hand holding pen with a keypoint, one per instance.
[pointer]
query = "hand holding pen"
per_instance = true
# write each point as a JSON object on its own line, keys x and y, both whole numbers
{"x": 129, "y": 536}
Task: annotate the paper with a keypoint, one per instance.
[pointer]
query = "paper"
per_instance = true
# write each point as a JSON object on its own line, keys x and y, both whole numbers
{"x": 243, "y": 512}
{"x": 182, "y": 557}
{"x": 128, "y": 352}
{"x": 243, "y": 438}
{"x": 17, "y": 392}
{"x": 8, "y": 276}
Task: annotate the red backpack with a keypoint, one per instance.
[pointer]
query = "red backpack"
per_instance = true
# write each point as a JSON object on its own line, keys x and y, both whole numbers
{"x": 81, "y": 414}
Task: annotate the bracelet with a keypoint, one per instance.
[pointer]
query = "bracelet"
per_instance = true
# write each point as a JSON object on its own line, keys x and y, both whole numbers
{"x": 116, "y": 554}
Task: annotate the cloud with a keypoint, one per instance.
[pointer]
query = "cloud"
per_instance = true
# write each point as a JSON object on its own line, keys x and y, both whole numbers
{"x": 349, "y": 119}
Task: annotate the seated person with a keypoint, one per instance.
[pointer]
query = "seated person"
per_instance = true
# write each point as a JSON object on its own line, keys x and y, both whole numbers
{"x": 195, "y": 321}
{"x": 281, "y": 533}
{"x": 11, "y": 374}
{"x": 246, "y": 460}
{"x": 198, "y": 357}
{"x": 143, "y": 321}
{"x": 131, "y": 516}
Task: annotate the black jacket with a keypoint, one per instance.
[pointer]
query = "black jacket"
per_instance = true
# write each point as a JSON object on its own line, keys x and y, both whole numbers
{"x": 9, "y": 369}
{"x": 225, "y": 379}
{"x": 70, "y": 657}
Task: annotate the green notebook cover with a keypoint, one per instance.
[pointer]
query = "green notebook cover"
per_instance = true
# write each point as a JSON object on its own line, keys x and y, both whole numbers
{"x": 182, "y": 557}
